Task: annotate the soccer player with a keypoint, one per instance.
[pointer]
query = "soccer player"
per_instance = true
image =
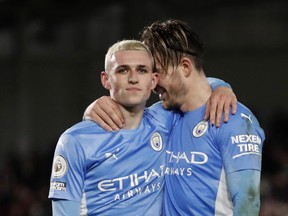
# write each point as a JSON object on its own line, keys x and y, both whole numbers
{"x": 96, "y": 172}
{"x": 208, "y": 170}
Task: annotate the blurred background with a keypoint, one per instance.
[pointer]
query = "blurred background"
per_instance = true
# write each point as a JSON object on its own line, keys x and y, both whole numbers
{"x": 52, "y": 53}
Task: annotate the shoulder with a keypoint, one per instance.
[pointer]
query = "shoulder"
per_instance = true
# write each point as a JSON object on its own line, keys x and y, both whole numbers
{"x": 243, "y": 122}
{"x": 82, "y": 134}
{"x": 156, "y": 107}
{"x": 160, "y": 115}
{"x": 244, "y": 115}
{"x": 84, "y": 127}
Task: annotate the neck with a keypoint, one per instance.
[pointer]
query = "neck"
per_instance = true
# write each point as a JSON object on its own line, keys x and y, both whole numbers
{"x": 198, "y": 92}
{"x": 132, "y": 116}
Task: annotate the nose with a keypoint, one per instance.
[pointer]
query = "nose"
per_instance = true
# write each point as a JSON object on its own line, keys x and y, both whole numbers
{"x": 133, "y": 77}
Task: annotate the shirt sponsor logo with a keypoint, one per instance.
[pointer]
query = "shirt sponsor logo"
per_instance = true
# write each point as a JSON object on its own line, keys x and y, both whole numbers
{"x": 191, "y": 158}
{"x": 57, "y": 185}
{"x": 199, "y": 158}
{"x": 138, "y": 191}
{"x": 156, "y": 141}
{"x": 60, "y": 166}
{"x": 178, "y": 171}
{"x": 147, "y": 182}
{"x": 132, "y": 180}
{"x": 200, "y": 129}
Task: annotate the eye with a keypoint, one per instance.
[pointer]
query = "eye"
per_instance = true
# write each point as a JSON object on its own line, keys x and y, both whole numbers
{"x": 122, "y": 70}
{"x": 142, "y": 71}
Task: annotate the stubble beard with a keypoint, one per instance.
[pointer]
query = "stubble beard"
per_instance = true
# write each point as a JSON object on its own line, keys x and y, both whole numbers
{"x": 175, "y": 96}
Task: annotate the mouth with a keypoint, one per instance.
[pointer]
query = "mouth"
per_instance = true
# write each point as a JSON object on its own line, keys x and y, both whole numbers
{"x": 133, "y": 89}
{"x": 161, "y": 92}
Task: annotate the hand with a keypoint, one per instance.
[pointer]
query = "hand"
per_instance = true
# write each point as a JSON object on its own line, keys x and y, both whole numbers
{"x": 106, "y": 113}
{"x": 220, "y": 101}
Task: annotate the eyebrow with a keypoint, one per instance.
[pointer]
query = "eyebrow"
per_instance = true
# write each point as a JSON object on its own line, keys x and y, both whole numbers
{"x": 138, "y": 66}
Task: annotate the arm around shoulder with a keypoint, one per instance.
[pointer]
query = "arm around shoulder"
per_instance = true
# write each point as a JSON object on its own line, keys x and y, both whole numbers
{"x": 223, "y": 101}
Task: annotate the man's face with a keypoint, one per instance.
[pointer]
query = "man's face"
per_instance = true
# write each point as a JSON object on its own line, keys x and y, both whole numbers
{"x": 170, "y": 87}
{"x": 130, "y": 78}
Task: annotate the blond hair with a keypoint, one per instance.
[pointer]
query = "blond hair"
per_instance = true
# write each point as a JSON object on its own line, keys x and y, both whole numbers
{"x": 126, "y": 45}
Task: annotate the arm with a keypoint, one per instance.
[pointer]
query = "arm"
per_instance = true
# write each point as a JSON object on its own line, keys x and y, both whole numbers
{"x": 244, "y": 189}
{"x": 241, "y": 143}
{"x": 106, "y": 113}
{"x": 221, "y": 100}
{"x": 65, "y": 208}
{"x": 67, "y": 178}
{"x": 216, "y": 83}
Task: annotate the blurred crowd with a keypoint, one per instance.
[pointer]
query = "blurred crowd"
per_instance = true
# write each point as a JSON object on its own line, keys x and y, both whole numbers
{"x": 24, "y": 185}
{"x": 274, "y": 185}
{"x": 24, "y": 182}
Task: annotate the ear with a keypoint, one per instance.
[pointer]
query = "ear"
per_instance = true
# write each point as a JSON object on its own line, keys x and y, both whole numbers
{"x": 155, "y": 79}
{"x": 187, "y": 66}
{"x": 104, "y": 80}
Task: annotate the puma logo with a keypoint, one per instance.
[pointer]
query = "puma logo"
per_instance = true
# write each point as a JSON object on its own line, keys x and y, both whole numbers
{"x": 108, "y": 154}
{"x": 246, "y": 116}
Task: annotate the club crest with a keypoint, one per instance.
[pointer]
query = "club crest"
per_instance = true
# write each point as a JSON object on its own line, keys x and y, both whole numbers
{"x": 200, "y": 128}
{"x": 156, "y": 141}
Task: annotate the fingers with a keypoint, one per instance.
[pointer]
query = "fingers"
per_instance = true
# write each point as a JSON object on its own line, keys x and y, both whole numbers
{"x": 106, "y": 113}
{"x": 219, "y": 110}
{"x": 234, "y": 105}
{"x": 216, "y": 109}
{"x": 226, "y": 111}
{"x": 229, "y": 106}
{"x": 221, "y": 103}
{"x": 106, "y": 118}
{"x": 211, "y": 110}
{"x": 103, "y": 124}
{"x": 109, "y": 112}
{"x": 207, "y": 111}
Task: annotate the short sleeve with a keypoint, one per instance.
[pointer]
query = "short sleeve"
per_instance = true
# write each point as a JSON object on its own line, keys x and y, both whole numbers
{"x": 241, "y": 142}
{"x": 68, "y": 170}
{"x": 216, "y": 83}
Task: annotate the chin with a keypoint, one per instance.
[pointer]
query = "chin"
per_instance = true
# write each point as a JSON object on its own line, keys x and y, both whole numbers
{"x": 170, "y": 106}
{"x": 165, "y": 105}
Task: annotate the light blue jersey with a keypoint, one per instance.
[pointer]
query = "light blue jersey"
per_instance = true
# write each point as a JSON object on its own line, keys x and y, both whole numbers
{"x": 199, "y": 157}
{"x": 113, "y": 173}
